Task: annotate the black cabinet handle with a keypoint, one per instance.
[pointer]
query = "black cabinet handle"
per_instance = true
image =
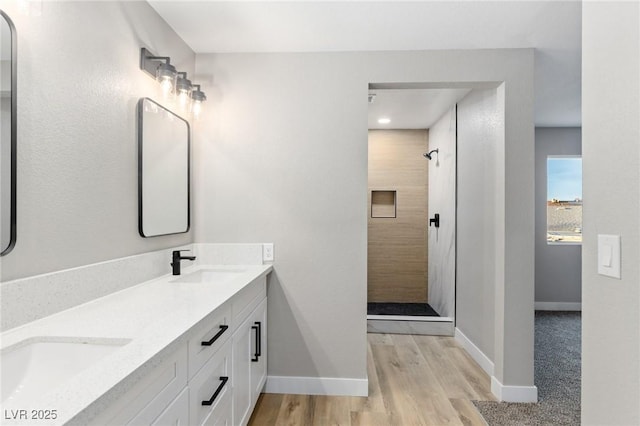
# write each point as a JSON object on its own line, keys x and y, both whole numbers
{"x": 223, "y": 381}
{"x": 258, "y": 328}
{"x": 223, "y": 328}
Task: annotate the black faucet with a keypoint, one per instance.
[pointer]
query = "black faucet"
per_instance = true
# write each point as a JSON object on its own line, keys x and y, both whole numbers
{"x": 176, "y": 258}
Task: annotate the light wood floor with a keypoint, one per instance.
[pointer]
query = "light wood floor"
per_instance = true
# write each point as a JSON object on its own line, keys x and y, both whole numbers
{"x": 413, "y": 380}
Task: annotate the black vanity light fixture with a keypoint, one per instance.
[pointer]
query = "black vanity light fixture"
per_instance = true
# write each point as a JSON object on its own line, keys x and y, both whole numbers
{"x": 183, "y": 89}
{"x": 197, "y": 98}
{"x": 173, "y": 82}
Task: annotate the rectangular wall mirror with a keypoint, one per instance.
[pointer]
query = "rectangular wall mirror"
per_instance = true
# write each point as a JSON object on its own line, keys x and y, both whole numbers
{"x": 8, "y": 132}
{"x": 163, "y": 171}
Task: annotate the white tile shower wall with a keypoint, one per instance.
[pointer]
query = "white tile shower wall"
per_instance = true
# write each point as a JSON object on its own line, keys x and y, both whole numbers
{"x": 228, "y": 254}
{"x": 442, "y": 200}
{"x": 28, "y": 299}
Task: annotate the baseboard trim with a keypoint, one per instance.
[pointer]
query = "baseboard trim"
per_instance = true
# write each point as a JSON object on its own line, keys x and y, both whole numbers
{"x": 425, "y": 328}
{"x": 513, "y": 393}
{"x": 408, "y": 318}
{"x": 317, "y": 386}
{"x": 558, "y": 306}
{"x": 478, "y": 356}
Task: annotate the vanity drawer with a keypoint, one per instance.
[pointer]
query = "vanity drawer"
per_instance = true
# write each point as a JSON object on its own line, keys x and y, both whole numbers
{"x": 149, "y": 397}
{"x": 210, "y": 336}
{"x": 246, "y": 300}
{"x": 213, "y": 385}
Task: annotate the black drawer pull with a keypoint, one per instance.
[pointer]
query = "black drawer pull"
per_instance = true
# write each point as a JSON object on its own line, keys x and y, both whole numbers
{"x": 258, "y": 328}
{"x": 223, "y": 381}
{"x": 223, "y": 328}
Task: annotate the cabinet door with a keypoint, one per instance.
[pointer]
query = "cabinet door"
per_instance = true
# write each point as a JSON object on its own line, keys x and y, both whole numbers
{"x": 249, "y": 363}
{"x": 242, "y": 345}
{"x": 259, "y": 362}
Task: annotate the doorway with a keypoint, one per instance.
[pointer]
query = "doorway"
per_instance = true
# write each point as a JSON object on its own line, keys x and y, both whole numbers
{"x": 412, "y": 209}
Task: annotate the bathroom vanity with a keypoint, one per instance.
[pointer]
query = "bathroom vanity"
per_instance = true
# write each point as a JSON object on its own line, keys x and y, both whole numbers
{"x": 188, "y": 349}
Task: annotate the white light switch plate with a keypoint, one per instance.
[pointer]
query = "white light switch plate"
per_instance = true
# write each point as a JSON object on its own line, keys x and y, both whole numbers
{"x": 267, "y": 252}
{"x": 609, "y": 255}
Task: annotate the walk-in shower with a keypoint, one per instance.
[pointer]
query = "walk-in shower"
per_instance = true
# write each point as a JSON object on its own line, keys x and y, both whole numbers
{"x": 411, "y": 265}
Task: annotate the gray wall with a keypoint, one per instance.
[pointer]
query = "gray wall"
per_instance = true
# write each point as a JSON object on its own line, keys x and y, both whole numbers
{"x": 558, "y": 267}
{"x": 479, "y": 134}
{"x": 78, "y": 84}
{"x": 611, "y": 174}
{"x": 281, "y": 155}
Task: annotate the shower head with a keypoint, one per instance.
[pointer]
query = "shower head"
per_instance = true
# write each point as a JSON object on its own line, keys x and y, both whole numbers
{"x": 430, "y": 153}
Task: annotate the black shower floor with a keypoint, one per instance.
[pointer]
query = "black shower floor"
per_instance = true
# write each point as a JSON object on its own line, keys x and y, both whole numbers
{"x": 405, "y": 309}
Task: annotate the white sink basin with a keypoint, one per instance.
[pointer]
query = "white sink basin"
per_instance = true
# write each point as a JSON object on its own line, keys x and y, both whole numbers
{"x": 214, "y": 276}
{"x": 31, "y": 369}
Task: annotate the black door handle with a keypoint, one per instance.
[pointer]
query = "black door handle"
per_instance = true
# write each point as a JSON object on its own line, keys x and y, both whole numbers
{"x": 435, "y": 220}
{"x": 258, "y": 328}
{"x": 223, "y": 381}
{"x": 223, "y": 328}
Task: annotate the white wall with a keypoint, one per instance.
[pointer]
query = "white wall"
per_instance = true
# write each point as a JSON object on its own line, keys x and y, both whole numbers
{"x": 611, "y": 174}
{"x": 558, "y": 267}
{"x": 480, "y": 130}
{"x": 281, "y": 155}
{"x": 442, "y": 200}
{"x": 78, "y": 84}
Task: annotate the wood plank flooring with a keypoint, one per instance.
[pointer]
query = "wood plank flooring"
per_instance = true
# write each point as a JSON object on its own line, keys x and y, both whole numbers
{"x": 413, "y": 380}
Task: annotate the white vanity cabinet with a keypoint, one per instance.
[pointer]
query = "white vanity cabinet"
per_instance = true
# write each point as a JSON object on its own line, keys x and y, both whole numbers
{"x": 242, "y": 360}
{"x": 249, "y": 360}
{"x": 213, "y": 378}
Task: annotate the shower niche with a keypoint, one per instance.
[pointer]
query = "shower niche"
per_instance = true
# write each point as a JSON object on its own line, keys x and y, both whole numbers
{"x": 383, "y": 204}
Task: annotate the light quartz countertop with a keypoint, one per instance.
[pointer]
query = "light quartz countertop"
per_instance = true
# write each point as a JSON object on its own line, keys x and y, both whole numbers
{"x": 155, "y": 316}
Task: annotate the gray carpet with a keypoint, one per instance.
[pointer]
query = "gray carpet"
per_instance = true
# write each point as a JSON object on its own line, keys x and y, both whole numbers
{"x": 557, "y": 376}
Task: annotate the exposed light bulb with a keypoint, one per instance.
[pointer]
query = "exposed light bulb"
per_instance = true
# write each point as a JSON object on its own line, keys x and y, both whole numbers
{"x": 166, "y": 86}
{"x": 183, "y": 98}
{"x": 196, "y": 108}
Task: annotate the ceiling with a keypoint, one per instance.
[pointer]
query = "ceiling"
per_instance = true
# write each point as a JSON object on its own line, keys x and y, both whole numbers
{"x": 552, "y": 27}
{"x": 411, "y": 108}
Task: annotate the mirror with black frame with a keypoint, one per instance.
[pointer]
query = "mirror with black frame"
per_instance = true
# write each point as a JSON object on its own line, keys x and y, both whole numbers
{"x": 7, "y": 134}
{"x": 163, "y": 171}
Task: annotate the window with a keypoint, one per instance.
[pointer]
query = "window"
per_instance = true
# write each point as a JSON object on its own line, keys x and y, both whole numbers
{"x": 564, "y": 199}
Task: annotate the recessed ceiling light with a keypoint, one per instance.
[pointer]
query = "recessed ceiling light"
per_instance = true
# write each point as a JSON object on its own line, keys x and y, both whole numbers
{"x": 384, "y": 120}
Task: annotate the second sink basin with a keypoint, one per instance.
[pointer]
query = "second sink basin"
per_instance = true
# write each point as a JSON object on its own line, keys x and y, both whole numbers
{"x": 34, "y": 367}
{"x": 214, "y": 276}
